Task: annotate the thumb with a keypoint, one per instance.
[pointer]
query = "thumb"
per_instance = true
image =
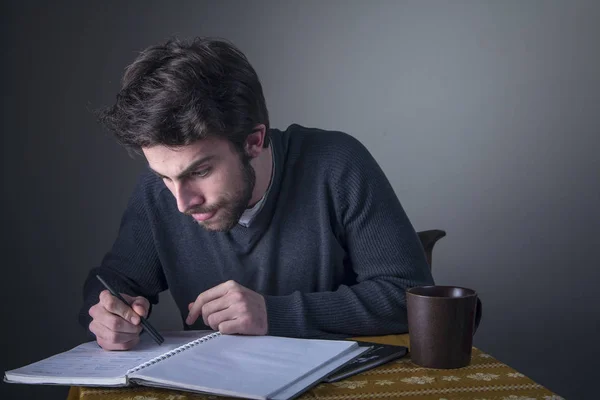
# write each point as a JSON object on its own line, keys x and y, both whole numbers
{"x": 139, "y": 304}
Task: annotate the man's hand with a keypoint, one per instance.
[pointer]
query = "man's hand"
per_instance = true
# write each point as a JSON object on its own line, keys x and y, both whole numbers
{"x": 115, "y": 325}
{"x": 231, "y": 308}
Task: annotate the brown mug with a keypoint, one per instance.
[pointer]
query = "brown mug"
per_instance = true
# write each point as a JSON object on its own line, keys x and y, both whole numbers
{"x": 441, "y": 323}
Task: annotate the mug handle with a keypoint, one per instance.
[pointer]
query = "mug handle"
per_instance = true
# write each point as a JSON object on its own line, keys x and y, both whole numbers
{"x": 478, "y": 312}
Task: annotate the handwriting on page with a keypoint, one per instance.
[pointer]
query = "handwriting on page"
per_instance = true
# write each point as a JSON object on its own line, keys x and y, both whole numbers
{"x": 89, "y": 360}
{"x": 86, "y": 362}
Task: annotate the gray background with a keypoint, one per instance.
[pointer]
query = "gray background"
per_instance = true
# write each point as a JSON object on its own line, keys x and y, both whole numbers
{"x": 484, "y": 115}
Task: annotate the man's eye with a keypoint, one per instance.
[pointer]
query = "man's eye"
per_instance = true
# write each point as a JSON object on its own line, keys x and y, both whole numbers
{"x": 202, "y": 173}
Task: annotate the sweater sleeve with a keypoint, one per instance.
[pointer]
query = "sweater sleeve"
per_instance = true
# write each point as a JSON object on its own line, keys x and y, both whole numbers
{"x": 132, "y": 265}
{"x": 383, "y": 251}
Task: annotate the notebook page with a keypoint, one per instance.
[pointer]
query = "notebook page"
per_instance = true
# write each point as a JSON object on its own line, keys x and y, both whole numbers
{"x": 88, "y": 364}
{"x": 317, "y": 376}
{"x": 247, "y": 366}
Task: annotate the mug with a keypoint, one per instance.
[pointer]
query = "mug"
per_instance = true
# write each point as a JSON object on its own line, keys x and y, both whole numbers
{"x": 441, "y": 323}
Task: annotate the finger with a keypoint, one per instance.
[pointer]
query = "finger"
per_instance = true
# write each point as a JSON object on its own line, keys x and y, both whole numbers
{"x": 116, "y": 306}
{"x": 206, "y": 296}
{"x": 109, "y": 336}
{"x": 243, "y": 325}
{"x": 117, "y": 324}
{"x": 141, "y": 306}
{"x": 113, "y": 322}
{"x": 229, "y": 327}
{"x": 215, "y": 319}
{"x": 217, "y": 305}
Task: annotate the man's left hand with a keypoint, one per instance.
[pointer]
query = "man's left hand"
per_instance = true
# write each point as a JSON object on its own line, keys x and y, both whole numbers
{"x": 230, "y": 308}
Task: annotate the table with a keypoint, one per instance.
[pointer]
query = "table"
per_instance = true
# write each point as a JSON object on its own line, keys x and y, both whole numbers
{"x": 484, "y": 379}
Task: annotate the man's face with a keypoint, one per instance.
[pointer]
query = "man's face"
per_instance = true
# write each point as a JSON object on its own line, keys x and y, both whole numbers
{"x": 210, "y": 181}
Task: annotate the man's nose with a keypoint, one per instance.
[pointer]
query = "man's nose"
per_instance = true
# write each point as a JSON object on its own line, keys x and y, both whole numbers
{"x": 187, "y": 197}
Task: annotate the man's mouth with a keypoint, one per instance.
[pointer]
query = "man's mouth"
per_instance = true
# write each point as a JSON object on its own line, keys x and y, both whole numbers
{"x": 201, "y": 217}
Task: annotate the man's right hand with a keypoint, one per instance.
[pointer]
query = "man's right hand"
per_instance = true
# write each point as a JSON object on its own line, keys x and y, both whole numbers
{"x": 115, "y": 325}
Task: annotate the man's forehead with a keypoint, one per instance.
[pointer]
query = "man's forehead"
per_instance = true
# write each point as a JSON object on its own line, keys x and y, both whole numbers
{"x": 177, "y": 159}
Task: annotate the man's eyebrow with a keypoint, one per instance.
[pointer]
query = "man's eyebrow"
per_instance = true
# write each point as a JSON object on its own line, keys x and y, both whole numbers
{"x": 188, "y": 169}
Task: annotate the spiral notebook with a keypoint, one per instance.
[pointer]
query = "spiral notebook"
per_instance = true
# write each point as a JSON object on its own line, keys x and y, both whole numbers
{"x": 256, "y": 367}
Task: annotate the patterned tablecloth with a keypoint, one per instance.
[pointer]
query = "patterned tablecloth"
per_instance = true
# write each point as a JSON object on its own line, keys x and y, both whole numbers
{"x": 484, "y": 379}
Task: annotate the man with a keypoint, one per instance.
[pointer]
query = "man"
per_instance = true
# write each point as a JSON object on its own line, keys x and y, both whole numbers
{"x": 254, "y": 230}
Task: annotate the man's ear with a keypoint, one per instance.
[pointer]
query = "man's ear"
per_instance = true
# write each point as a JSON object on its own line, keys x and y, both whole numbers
{"x": 255, "y": 141}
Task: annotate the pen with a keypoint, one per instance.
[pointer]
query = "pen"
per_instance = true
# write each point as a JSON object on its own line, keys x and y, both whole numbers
{"x": 149, "y": 328}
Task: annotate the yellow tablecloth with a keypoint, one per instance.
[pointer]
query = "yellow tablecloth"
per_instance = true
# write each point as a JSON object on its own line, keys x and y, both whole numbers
{"x": 484, "y": 379}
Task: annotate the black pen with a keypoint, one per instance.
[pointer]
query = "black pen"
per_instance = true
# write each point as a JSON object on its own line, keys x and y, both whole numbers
{"x": 149, "y": 328}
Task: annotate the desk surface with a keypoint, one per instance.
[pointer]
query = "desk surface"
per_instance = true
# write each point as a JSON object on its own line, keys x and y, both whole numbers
{"x": 484, "y": 379}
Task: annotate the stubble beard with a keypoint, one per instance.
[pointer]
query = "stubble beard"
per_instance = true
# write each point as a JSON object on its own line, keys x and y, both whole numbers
{"x": 231, "y": 206}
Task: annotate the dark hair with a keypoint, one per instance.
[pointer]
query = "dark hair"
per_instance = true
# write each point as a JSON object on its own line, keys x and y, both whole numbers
{"x": 178, "y": 92}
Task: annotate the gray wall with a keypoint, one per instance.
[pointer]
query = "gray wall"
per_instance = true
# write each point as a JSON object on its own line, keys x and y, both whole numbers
{"x": 484, "y": 115}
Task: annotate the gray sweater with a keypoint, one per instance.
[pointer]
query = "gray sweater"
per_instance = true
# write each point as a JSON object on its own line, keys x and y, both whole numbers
{"x": 332, "y": 250}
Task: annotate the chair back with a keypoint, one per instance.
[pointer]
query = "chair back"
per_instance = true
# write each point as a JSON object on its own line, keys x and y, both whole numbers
{"x": 428, "y": 239}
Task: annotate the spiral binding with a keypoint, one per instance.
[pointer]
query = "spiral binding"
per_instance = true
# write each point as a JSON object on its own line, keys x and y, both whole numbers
{"x": 174, "y": 351}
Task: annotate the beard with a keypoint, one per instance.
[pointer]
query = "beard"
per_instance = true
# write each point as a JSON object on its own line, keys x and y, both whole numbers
{"x": 231, "y": 205}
